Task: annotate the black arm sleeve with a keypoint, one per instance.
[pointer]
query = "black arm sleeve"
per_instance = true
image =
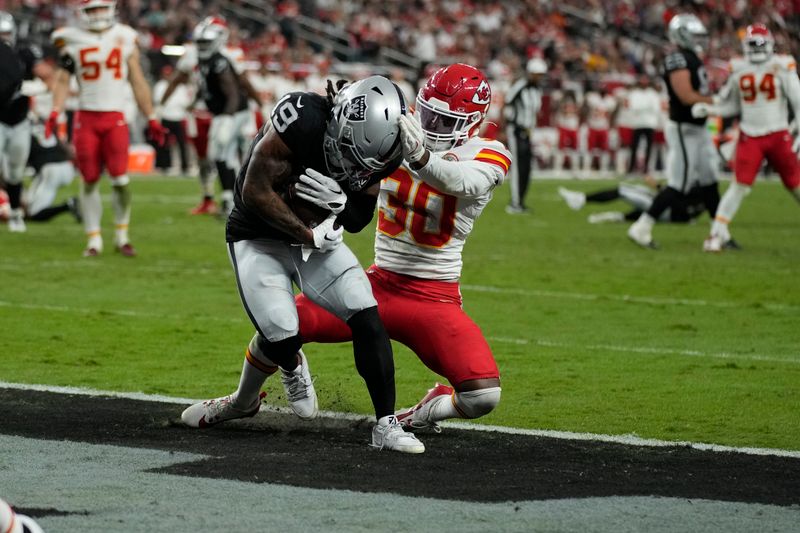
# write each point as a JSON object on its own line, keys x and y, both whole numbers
{"x": 66, "y": 62}
{"x": 358, "y": 212}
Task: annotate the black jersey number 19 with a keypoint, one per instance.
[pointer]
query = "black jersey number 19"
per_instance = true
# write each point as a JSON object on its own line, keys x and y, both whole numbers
{"x": 284, "y": 114}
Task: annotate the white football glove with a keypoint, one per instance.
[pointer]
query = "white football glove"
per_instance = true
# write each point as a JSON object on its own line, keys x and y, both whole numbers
{"x": 326, "y": 238}
{"x": 412, "y": 138}
{"x": 701, "y": 110}
{"x": 223, "y": 129}
{"x": 321, "y": 190}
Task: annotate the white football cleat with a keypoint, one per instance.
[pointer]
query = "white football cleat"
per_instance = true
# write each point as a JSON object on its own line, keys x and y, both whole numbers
{"x": 713, "y": 244}
{"x": 300, "y": 391}
{"x": 388, "y": 434}
{"x": 641, "y": 235}
{"x": 418, "y": 417}
{"x": 16, "y": 221}
{"x": 575, "y": 199}
{"x": 211, "y": 412}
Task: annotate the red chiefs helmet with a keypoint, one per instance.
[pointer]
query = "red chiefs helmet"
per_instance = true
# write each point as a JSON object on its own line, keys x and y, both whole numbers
{"x": 452, "y": 105}
{"x": 97, "y": 15}
{"x": 758, "y": 43}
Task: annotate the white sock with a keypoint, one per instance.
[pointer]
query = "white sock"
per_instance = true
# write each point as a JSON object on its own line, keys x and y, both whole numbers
{"x": 727, "y": 209}
{"x": 255, "y": 371}
{"x": 92, "y": 208}
{"x": 646, "y": 221}
{"x": 121, "y": 202}
{"x": 227, "y": 196}
{"x": 443, "y": 408}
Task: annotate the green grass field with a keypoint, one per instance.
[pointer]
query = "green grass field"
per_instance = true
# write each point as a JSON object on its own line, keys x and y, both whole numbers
{"x": 591, "y": 333}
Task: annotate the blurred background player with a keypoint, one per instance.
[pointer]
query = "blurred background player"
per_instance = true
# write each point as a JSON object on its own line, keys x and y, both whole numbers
{"x": 15, "y": 127}
{"x": 684, "y": 209}
{"x": 691, "y": 150}
{"x": 598, "y": 106}
{"x": 453, "y": 173}
{"x": 104, "y": 57}
{"x": 760, "y": 87}
{"x": 644, "y": 104}
{"x": 173, "y": 114}
{"x": 354, "y": 138}
{"x": 52, "y": 163}
{"x": 522, "y": 104}
{"x": 568, "y": 122}
{"x": 225, "y": 91}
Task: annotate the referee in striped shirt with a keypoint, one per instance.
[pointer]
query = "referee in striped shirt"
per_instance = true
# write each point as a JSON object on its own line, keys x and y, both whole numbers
{"x": 523, "y": 101}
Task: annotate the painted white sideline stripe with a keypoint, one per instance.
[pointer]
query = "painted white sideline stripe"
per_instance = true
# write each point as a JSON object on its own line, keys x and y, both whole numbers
{"x": 647, "y": 350}
{"x": 648, "y": 300}
{"x": 629, "y": 440}
{"x": 510, "y": 340}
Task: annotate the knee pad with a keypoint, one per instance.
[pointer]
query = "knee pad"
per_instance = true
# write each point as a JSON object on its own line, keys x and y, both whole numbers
{"x": 477, "y": 403}
{"x": 281, "y": 353}
{"x": 120, "y": 181}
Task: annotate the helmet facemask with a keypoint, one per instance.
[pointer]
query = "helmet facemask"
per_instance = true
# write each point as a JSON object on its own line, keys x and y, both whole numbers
{"x": 98, "y": 16}
{"x": 443, "y": 128}
{"x": 758, "y": 48}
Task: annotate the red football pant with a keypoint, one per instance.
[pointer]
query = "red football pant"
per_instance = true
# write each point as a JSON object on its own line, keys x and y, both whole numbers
{"x": 424, "y": 315}
{"x": 776, "y": 148}
{"x": 567, "y": 139}
{"x": 200, "y": 142}
{"x": 101, "y": 140}
{"x": 597, "y": 140}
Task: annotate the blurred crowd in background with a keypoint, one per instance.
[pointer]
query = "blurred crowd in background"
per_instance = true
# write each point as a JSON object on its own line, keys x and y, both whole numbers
{"x": 610, "y": 46}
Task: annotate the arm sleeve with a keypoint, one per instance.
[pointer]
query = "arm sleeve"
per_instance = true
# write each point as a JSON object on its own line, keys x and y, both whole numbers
{"x": 464, "y": 179}
{"x": 792, "y": 89}
{"x": 727, "y": 101}
{"x": 358, "y": 212}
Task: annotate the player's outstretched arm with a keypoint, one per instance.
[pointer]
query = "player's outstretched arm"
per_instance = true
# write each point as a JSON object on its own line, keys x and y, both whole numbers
{"x": 681, "y": 83}
{"x": 177, "y": 78}
{"x": 269, "y": 169}
{"x": 458, "y": 178}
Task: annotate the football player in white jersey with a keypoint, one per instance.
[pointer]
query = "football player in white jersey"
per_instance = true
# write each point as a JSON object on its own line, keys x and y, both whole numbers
{"x": 598, "y": 107}
{"x": 427, "y": 209}
{"x": 759, "y": 87}
{"x": 104, "y": 58}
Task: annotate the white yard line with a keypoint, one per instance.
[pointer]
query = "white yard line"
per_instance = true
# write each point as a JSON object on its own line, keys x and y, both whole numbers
{"x": 188, "y": 269}
{"x": 645, "y": 350}
{"x": 649, "y": 300}
{"x": 629, "y": 440}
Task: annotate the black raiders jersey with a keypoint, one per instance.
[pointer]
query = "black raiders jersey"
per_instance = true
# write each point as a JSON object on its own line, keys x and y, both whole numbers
{"x": 679, "y": 60}
{"x": 17, "y": 109}
{"x": 300, "y": 119}
{"x": 211, "y": 71}
{"x": 45, "y": 151}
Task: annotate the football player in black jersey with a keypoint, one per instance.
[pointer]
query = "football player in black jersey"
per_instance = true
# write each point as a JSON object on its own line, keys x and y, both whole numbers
{"x": 52, "y": 162}
{"x": 225, "y": 90}
{"x": 331, "y": 152}
{"x": 15, "y": 128}
{"x": 691, "y": 152}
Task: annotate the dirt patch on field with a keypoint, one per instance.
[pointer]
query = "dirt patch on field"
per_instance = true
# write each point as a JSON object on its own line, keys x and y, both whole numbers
{"x": 464, "y": 465}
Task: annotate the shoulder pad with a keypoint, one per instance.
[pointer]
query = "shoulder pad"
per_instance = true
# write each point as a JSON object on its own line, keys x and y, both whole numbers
{"x": 786, "y": 61}
{"x": 737, "y": 63}
{"x": 61, "y": 37}
{"x": 675, "y": 61}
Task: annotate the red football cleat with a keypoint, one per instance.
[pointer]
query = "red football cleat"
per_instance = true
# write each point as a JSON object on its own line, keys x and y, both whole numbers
{"x": 91, "y": 252}
{"x": 417, "y": 417}
{"x": 127, "y": 250}
{"x": 206, "y": 207}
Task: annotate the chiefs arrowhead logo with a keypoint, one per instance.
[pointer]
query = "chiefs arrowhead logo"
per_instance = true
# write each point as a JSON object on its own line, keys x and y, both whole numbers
{"x": 483, "y": 94}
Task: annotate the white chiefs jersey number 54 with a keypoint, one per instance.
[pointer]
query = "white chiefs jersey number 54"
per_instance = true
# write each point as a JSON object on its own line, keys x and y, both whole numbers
{"x": 101, "y": 64}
